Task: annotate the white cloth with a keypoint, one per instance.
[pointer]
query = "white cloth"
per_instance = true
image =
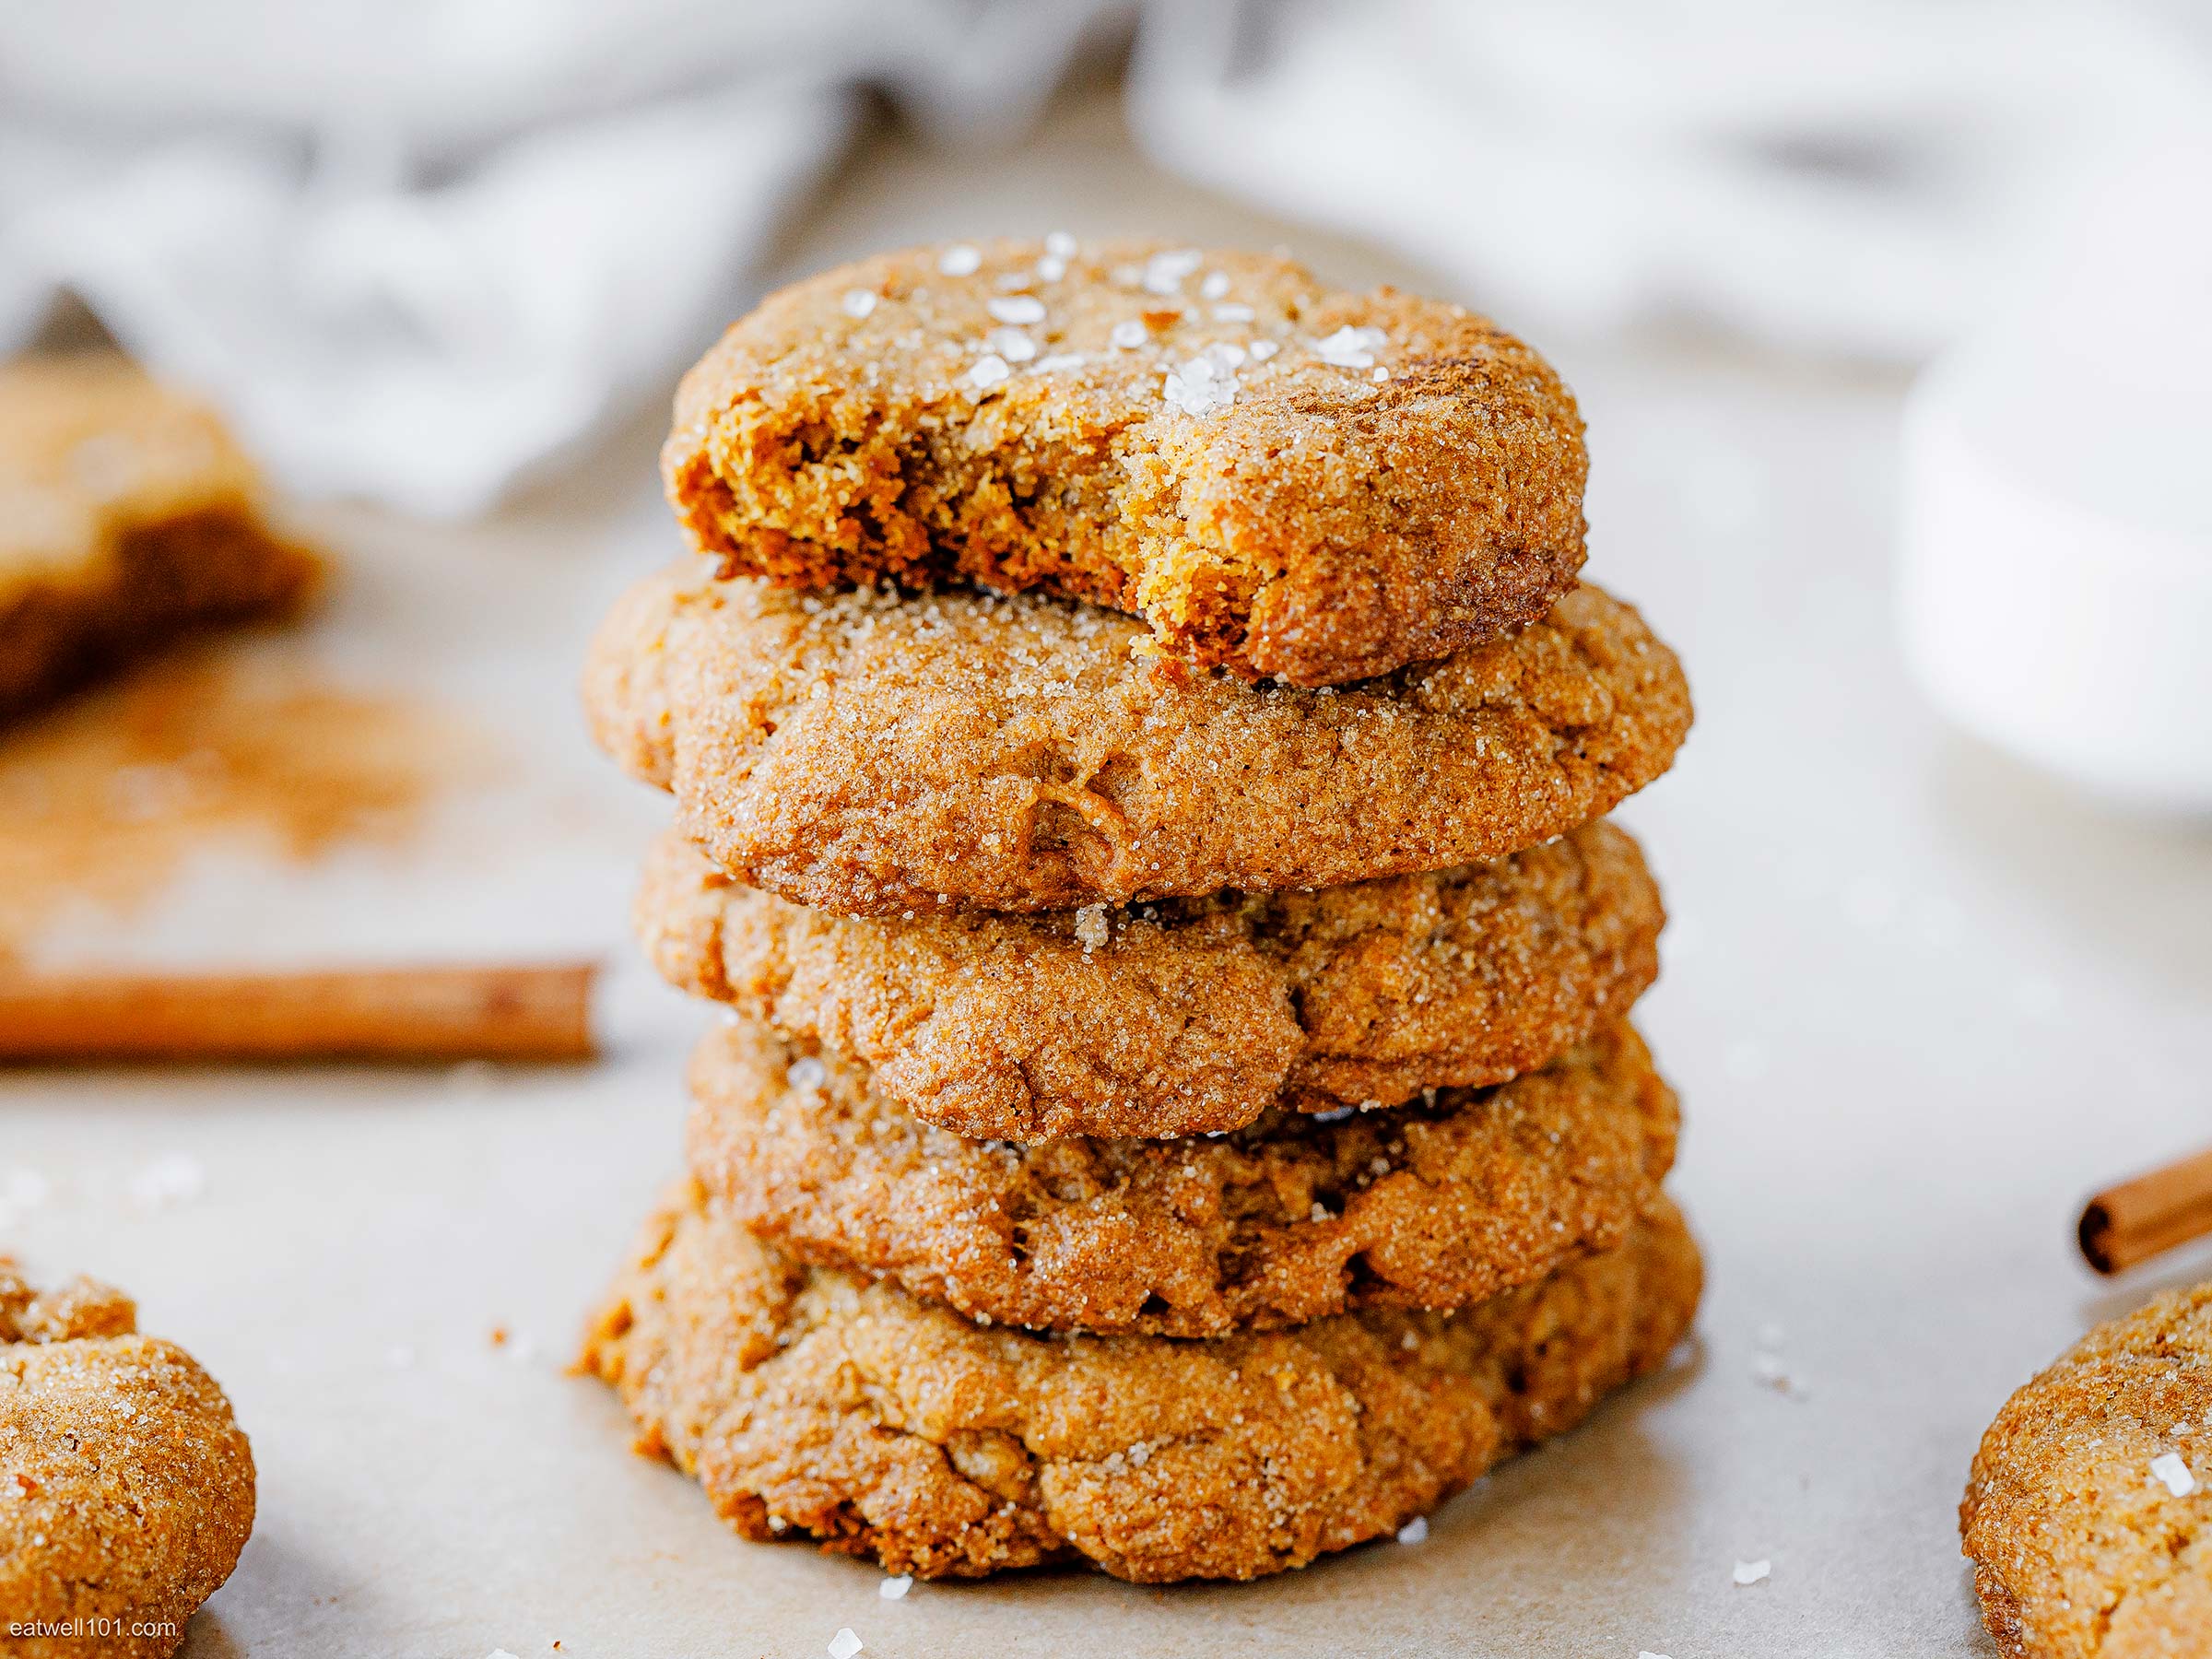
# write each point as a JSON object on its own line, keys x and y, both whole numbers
{"x": 419, "y": 251}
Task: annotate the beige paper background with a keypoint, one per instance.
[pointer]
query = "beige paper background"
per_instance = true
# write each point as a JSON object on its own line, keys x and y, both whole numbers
{"x": 1917, "y": 1002}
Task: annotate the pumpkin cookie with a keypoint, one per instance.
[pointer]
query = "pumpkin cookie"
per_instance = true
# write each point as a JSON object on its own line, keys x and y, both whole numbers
{"x": 126, "y": 1490}
{"x": 2088, "y": 1518}
{"x": 1444, "y": 1202}
{"x": 1281, "y": 478}
{"x": 810, "y": 1403}
{"x": 127, "y": 516}
{"x": 1189, "y": 1015}
{"x": 868, "y": 755}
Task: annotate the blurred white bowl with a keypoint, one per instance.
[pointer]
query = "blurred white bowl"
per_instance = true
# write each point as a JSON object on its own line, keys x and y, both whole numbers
{"x": 2055, "y": 586}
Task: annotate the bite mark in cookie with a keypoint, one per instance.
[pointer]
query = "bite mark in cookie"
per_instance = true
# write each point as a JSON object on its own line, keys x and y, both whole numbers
{"x": 1281, "y": 478}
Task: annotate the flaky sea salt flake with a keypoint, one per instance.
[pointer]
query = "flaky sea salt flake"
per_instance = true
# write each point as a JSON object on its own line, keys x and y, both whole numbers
{"x": 1215, "y": 287}
{"x": 1126, "y": 336}
{"x": 1415, "y": 1531}
{"x": 895, "y": 1588}
{"x": 1164, "y": 272}
{"x": 2170, "y": 1467}
{"x": 1351, "y": 347}
{"x": 844, "y": 1644}
{"x": 960, "y": 260}
{"x": 1017, "y": 307}
{"x": 989, "y": 371}
{"x": 1751, "y": 1572}
{"x": 859, "y": 302}
{"x": 1011, "y": 344}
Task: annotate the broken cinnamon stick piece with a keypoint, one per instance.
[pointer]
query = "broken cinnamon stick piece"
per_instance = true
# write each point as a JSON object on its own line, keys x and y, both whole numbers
{"x": 528, "y": 1012}
{"x": 2153, "y": 1213}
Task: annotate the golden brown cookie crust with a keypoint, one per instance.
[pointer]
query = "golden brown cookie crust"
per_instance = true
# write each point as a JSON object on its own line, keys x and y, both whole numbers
{"x": 808, "y": 1403}
{"x": 1191, "y": 1016}
{"x": 127, "y": 516}
{"x": 867, "y": 756}
{"x": 126, "y": 1488}
{"x": 2079, "y": 1548}
{"x": 1440, "y": 1203}
{"x": 1282, "y": 479}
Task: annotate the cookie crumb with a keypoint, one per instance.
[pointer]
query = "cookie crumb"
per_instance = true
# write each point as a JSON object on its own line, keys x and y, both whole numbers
{"x": 1091, "y": 926}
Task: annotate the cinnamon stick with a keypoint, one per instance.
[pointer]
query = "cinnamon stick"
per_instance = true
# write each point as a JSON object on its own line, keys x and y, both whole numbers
{"x": 2155, "y": 1212}
{"x": 500, "y": 1012}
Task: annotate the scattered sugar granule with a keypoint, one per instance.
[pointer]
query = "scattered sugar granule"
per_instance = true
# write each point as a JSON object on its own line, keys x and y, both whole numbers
{"x": 1011, "y": 344}
{"x": 1750, "y": 1572}
{"x": 168, "y": 1180}
{"x": 989, "y": 371}
{"x": 1126, "y": 336}
{"x": 1091, "y": 926}
{"x": 895, "y": 1588}
{"x": 1415, "y": 1531}
{"x": 859, "y": 302}
{"x": 960, "y": 260}
{"x": 1351, "y": 347}
{"x": 1017, "y": 307}
{"x": 2170, "y": 1467}
{"x": 844, "y": 1644}
{"x": 808, "y": 1073}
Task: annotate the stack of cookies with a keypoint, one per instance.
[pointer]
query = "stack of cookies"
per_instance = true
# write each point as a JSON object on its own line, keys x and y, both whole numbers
{"x": 1141, "y": 753}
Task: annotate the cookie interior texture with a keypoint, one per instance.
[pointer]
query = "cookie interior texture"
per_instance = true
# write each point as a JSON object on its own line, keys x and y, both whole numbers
{"x": 126, "y": 1487}
{"x": 871, "y": 756}
{"x": 127, "y": 516}
{"x": 810, "y": 1403}
{"x": 1281, "y": 478}
{"x": 1436, "y": 1204}
{"x": 1187, "y": 1016}
{"x": 2079, "y": 1545}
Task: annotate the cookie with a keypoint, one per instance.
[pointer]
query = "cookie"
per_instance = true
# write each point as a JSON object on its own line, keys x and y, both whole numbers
{"x": 126, "y": 1490}
{"x": 1187, "y": 1017}
{"x": 1444, "y": 1202}
{"x": 127, "y": 516}
{"x": 1283, "y": 480}
{"x": 869, "y": 756}
{"x": 809, "y": 1403}
{"x": 2082, "y": 1544}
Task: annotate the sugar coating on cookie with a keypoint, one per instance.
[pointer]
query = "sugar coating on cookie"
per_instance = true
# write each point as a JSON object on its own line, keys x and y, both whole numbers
{"x": 126, "y": 1487}
{"x": 1187, "y": 1017}
{"x": 809, "y": 1403}
{"x": 1445, "y": 1200}
{"x": 127, "y": 515}
{"x": 869, "y": 755}
{"x": 2087, "y": 1515}
{"x": 1282, "y": 479}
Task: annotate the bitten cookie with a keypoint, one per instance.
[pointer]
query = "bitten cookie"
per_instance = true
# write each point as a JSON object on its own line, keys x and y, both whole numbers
{"x": 867, "y": 756}
{"x": 1435, "y": 1205}
{"x": 127, "y": 516}
{"x": 1280, "y": 478}
{"x": 1187, "y": 1016}
{"x": 2087, "y": 1516}
{"x": 126, "y": 1490}
{"x": 808, "y": 1403}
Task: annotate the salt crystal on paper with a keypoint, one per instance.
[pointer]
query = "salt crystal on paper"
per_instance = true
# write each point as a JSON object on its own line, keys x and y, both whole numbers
{"x": 1017, "y": 307}
{"x": 2170, "y": 1467}
{"x": 894, "y": 1589}
{"x": 859, "y": 302}
{"x": 844, "y": 1644}
{"x": 960, "y": 260}
{"x": 1415, "y": 1531}
{"x": 1750, "y": 1572}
